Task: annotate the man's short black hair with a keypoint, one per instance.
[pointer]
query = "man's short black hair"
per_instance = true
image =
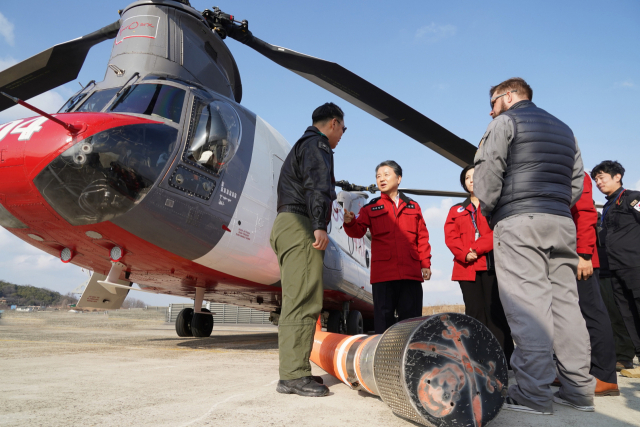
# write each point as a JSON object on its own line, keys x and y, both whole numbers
{"x": 611, "y": 167}
{"x": 463, "y": 176}
{"x": 326, "y": 112}
{"x": 393, "y": 165}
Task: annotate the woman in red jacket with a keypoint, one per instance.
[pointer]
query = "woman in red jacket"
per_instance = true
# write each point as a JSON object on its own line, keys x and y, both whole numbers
{"x": 468, "y": 236}
{"x": 400, "y": 250}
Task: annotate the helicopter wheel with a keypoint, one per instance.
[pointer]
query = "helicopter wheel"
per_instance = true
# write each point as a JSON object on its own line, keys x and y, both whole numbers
{"x": 183, "y": 322}
{"x": 202, "y": 324}
{"x": 335, "y": 323}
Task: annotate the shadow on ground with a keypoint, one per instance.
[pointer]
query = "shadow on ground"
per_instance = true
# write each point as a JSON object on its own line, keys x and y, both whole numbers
{"x": 227, "y": 342}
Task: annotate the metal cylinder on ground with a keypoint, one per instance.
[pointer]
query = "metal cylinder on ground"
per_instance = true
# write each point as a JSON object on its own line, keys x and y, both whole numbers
{"x": 443, "y": 370}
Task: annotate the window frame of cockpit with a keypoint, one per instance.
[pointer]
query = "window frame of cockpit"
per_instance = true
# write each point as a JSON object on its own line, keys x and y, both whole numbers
{"x": 185, "y": 105}
{"x": 206, "y": 98}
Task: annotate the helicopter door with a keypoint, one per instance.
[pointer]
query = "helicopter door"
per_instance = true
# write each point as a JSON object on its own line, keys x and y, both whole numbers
{"x": 212, "y": 141}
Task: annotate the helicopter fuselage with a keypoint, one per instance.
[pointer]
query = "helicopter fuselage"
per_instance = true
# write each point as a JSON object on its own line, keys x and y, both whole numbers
{"x": 169, "y": 168}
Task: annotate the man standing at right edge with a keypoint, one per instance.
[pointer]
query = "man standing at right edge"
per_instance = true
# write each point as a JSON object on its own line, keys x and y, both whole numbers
{"x": 528, "y": 174}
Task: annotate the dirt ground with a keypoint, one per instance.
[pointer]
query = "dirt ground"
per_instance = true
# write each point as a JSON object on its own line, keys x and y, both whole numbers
{"x": 130, "y": 368}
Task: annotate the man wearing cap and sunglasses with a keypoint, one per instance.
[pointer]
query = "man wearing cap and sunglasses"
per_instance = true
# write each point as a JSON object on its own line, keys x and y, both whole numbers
{"x": 528, "y": 175}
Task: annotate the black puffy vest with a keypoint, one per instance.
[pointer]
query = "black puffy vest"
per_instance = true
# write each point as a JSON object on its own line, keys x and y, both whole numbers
{"x": 539, "y": 165}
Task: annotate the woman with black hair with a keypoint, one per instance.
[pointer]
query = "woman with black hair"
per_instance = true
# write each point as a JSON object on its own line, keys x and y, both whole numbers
{"x": 468, "y": 236}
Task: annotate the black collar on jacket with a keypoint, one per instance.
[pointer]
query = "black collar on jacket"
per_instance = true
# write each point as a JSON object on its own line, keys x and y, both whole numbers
{"x": 614, "y": 195}
{"x": 522, "y": 104}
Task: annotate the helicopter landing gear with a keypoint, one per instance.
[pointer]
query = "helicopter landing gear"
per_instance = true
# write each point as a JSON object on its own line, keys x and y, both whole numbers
{"x": 197, "y": 321}
{"x": 183, "y": 322}
{"x": 345, "y": 322}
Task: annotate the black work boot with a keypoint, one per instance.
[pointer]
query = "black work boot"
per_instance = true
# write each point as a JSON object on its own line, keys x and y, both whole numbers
{"x": 305, "y": 386}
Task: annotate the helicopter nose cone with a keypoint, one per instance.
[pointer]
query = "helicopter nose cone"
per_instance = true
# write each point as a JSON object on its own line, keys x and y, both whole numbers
{"x": 30, "y": 146}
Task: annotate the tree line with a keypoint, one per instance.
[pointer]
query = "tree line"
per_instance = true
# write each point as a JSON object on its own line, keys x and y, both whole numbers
{"x": 30, "y": 295}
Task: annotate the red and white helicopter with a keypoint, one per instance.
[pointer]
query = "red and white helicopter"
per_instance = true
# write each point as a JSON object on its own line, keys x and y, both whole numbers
{"x": 157, "y": 175}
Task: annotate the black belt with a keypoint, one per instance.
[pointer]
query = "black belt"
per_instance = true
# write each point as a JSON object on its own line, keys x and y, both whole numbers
{"x": 296, "y": 209}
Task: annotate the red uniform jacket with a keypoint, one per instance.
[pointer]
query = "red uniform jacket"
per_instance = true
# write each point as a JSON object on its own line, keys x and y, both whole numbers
{"x": 400, "y": 241}
{"x": 585, "y": 217}
{"x": 460, "y": 236}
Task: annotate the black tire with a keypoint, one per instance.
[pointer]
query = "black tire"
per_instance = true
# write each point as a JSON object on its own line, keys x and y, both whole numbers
{"x": 334, "y": 322}
{"x": 355, "y": 324}
{"x": 183, "y": 322}
{"x": 202, "y": 324}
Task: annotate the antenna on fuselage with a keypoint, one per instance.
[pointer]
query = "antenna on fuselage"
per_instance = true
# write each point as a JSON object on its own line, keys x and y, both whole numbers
{"x": 68, "y": 126}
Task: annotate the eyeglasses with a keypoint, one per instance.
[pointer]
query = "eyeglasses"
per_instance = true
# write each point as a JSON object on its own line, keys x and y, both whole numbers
{"x": 492, "y": 101}
{"x": 344, "y": 128}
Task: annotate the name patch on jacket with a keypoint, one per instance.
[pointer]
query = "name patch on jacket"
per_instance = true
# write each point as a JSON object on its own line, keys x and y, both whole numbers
{"x": 324, "y": 146}
{"x": 377, "y": 208}
{"x": 411, "y": 206}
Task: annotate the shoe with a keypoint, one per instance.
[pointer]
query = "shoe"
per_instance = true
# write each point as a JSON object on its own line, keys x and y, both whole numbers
{"x": 317, "y": 379}
{"x": 606, "y": 389}
{"x": 512, "y": 405}
{"x": 305, "y": 386}
{"x": 624, "y": 364}
{"x": 558, "y": 399}
{"x": 556, "y": 383}
{"x": 631, "y": 373}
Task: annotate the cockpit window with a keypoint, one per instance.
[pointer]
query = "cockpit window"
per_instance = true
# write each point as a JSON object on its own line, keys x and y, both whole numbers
{"x": 215, "y": 136}
{"x": 98, "y": 100}
{"x": 77, "y": 97}
{"x": 107, "y": 174}
{"x": 72, "y": 102}
{"x": 152, "y": 100}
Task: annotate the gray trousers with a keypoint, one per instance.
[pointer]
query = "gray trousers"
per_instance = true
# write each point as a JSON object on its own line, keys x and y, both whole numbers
{"x": 536, "y": 264}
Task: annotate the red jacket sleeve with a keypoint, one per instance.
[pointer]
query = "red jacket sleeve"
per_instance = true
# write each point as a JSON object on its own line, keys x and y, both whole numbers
{"x": 585, "y": 217}
{"x": 452, "y": 238}
{"x": 358, "y": 227}
{"x": 424, "y": 248}
{"x": 484, "y": 244}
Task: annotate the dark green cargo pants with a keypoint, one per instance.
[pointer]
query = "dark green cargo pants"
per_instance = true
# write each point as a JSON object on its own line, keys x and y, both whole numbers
{"x": 301, "y": 276}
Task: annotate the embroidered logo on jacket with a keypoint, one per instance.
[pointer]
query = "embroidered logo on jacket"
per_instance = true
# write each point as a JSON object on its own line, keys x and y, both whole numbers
{"x": 635, "y": 202}
{"x": 461, "y": 209}
{"x": 411, "y": 206}
{"x": 377, "y": 208}
{"x": 324, "y": 146}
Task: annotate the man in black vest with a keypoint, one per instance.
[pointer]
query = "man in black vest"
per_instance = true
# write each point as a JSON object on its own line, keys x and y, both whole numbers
{"x": 299, "y": 238}
{"x": 620, "y": 234}
{"x": 528, "y": 174}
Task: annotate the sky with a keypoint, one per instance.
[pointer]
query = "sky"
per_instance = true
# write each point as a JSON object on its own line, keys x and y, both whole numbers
{"x": 580, "y": 57}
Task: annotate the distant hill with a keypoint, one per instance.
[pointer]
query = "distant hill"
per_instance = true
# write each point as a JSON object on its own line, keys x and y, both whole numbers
{"x": 30, "y": 295}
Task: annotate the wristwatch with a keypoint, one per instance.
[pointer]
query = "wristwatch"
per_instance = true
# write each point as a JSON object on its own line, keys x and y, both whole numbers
{"x": 586, "y": 257}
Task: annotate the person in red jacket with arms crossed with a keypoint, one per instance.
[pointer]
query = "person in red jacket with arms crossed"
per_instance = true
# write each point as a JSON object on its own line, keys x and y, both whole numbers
{"x": 596, "y": 316}
{"x": 400, "y": 250}
{"x": 470, "y": 239}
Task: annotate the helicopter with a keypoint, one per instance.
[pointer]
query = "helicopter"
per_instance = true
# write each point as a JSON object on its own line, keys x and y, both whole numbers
{"x": 159, "y": 176}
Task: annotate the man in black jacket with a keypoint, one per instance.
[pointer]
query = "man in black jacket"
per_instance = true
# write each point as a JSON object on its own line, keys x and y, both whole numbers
{"x": 620, "y": 233}
{"x": 299, "y": 238}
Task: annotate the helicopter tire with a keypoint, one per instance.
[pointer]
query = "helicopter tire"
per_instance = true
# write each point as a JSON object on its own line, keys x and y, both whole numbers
{"x": 334, "y": 322}
{"x": 355, "y": 323}
{"x": 202, "y": 324}
{"x": 183, "y": 322}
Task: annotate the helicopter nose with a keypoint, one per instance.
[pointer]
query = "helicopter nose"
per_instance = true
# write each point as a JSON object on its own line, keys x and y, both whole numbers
{"x": 29, "y": 147}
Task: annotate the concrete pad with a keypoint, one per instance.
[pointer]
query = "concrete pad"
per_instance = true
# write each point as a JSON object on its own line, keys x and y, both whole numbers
{"x": 61, "y": 369}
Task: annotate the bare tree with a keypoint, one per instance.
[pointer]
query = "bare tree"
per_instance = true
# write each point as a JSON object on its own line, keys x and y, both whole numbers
{"x": 133, "y": 303}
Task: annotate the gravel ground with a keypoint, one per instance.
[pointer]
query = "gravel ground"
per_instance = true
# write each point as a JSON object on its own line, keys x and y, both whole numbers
{"x": 130, "y": 368}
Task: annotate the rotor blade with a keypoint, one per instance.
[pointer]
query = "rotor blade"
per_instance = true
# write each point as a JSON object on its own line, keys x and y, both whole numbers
{"x": 51, "y": 68}
{"x": 370, "y": 98}
{"x": 433, "y": 193}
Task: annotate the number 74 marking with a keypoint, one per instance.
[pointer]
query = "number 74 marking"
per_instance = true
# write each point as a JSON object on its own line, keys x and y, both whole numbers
{"x": 26, "y": 129}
